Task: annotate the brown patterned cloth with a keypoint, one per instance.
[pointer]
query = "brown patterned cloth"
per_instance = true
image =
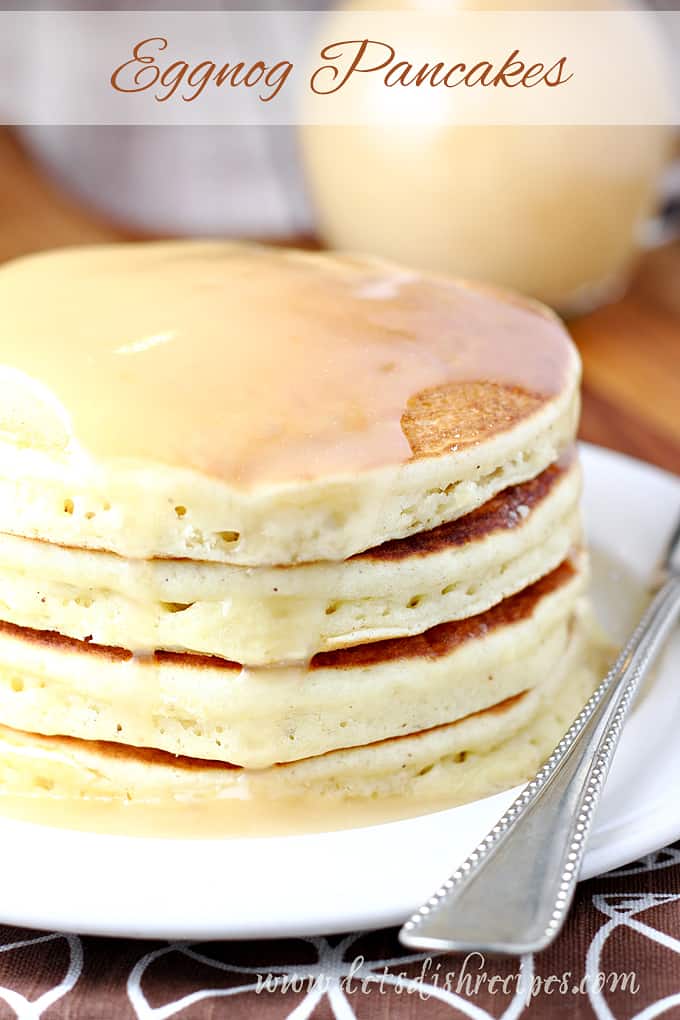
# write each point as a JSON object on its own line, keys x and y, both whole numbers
{"x": 618, "y": 958}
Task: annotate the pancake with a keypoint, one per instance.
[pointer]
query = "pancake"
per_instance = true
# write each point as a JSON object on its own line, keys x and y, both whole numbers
{"x": 210, "y": 708}
{"x": 474, "y": 757}
{"x": 252, "y": 406}
{"x": 280, "y": 614}
{"x": 282, "y": 526}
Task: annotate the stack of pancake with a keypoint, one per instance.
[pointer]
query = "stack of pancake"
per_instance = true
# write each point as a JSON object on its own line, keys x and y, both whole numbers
{"x": 278, "y": 525}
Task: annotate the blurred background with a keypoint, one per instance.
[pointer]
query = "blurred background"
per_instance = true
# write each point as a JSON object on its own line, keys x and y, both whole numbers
{"x": 584, "y": 218}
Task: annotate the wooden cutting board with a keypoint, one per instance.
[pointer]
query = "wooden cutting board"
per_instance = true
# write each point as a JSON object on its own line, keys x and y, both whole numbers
{"x": 630, "y": 349}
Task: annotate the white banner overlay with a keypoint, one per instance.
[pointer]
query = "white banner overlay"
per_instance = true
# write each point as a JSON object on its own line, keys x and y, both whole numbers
{"x": 368, "y": 67}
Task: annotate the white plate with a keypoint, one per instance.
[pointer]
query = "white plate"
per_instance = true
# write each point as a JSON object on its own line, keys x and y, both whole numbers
{"x": 369, "y": 877}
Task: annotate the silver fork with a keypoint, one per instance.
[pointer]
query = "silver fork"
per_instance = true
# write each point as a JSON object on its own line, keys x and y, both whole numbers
{"x": 513, "y": 892}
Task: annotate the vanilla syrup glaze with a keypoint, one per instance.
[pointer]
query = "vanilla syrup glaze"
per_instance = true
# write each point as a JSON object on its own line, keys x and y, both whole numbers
{"x": 246, "y": 363}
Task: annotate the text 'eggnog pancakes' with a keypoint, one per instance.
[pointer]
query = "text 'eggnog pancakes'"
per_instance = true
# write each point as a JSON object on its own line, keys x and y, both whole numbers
{"x": 287, "y": 540}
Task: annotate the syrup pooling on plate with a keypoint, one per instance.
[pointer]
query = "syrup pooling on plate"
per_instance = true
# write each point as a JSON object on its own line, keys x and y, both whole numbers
{"x": 219, "y": 336}
{"x": 223, "y": 819}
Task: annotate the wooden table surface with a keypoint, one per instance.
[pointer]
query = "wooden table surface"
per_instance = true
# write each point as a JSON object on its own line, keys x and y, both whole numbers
{"x": 630, "y": 349}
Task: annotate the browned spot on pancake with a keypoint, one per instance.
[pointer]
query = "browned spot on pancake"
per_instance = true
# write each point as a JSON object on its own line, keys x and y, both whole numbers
{"x": 503, "y": 512}
{"x": 128, "y": 752}
{"x": 195, "y": 659}
{"x": 59, "y": 642}
{"x": 460, "y": 414}
{"x": 52, "y": 639}
{"x": 442, "y": 639}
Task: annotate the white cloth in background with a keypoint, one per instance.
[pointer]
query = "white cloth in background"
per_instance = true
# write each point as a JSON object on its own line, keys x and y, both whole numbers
{"x": 244, "y": 181}
{"x": 192, "y": 180}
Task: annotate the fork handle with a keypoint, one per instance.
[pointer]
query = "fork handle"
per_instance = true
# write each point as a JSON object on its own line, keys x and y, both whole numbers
{"x": 513, "y": 892}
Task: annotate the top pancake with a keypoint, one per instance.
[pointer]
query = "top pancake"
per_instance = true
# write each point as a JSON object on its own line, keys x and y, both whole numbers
{"x": 250, "y": 405}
